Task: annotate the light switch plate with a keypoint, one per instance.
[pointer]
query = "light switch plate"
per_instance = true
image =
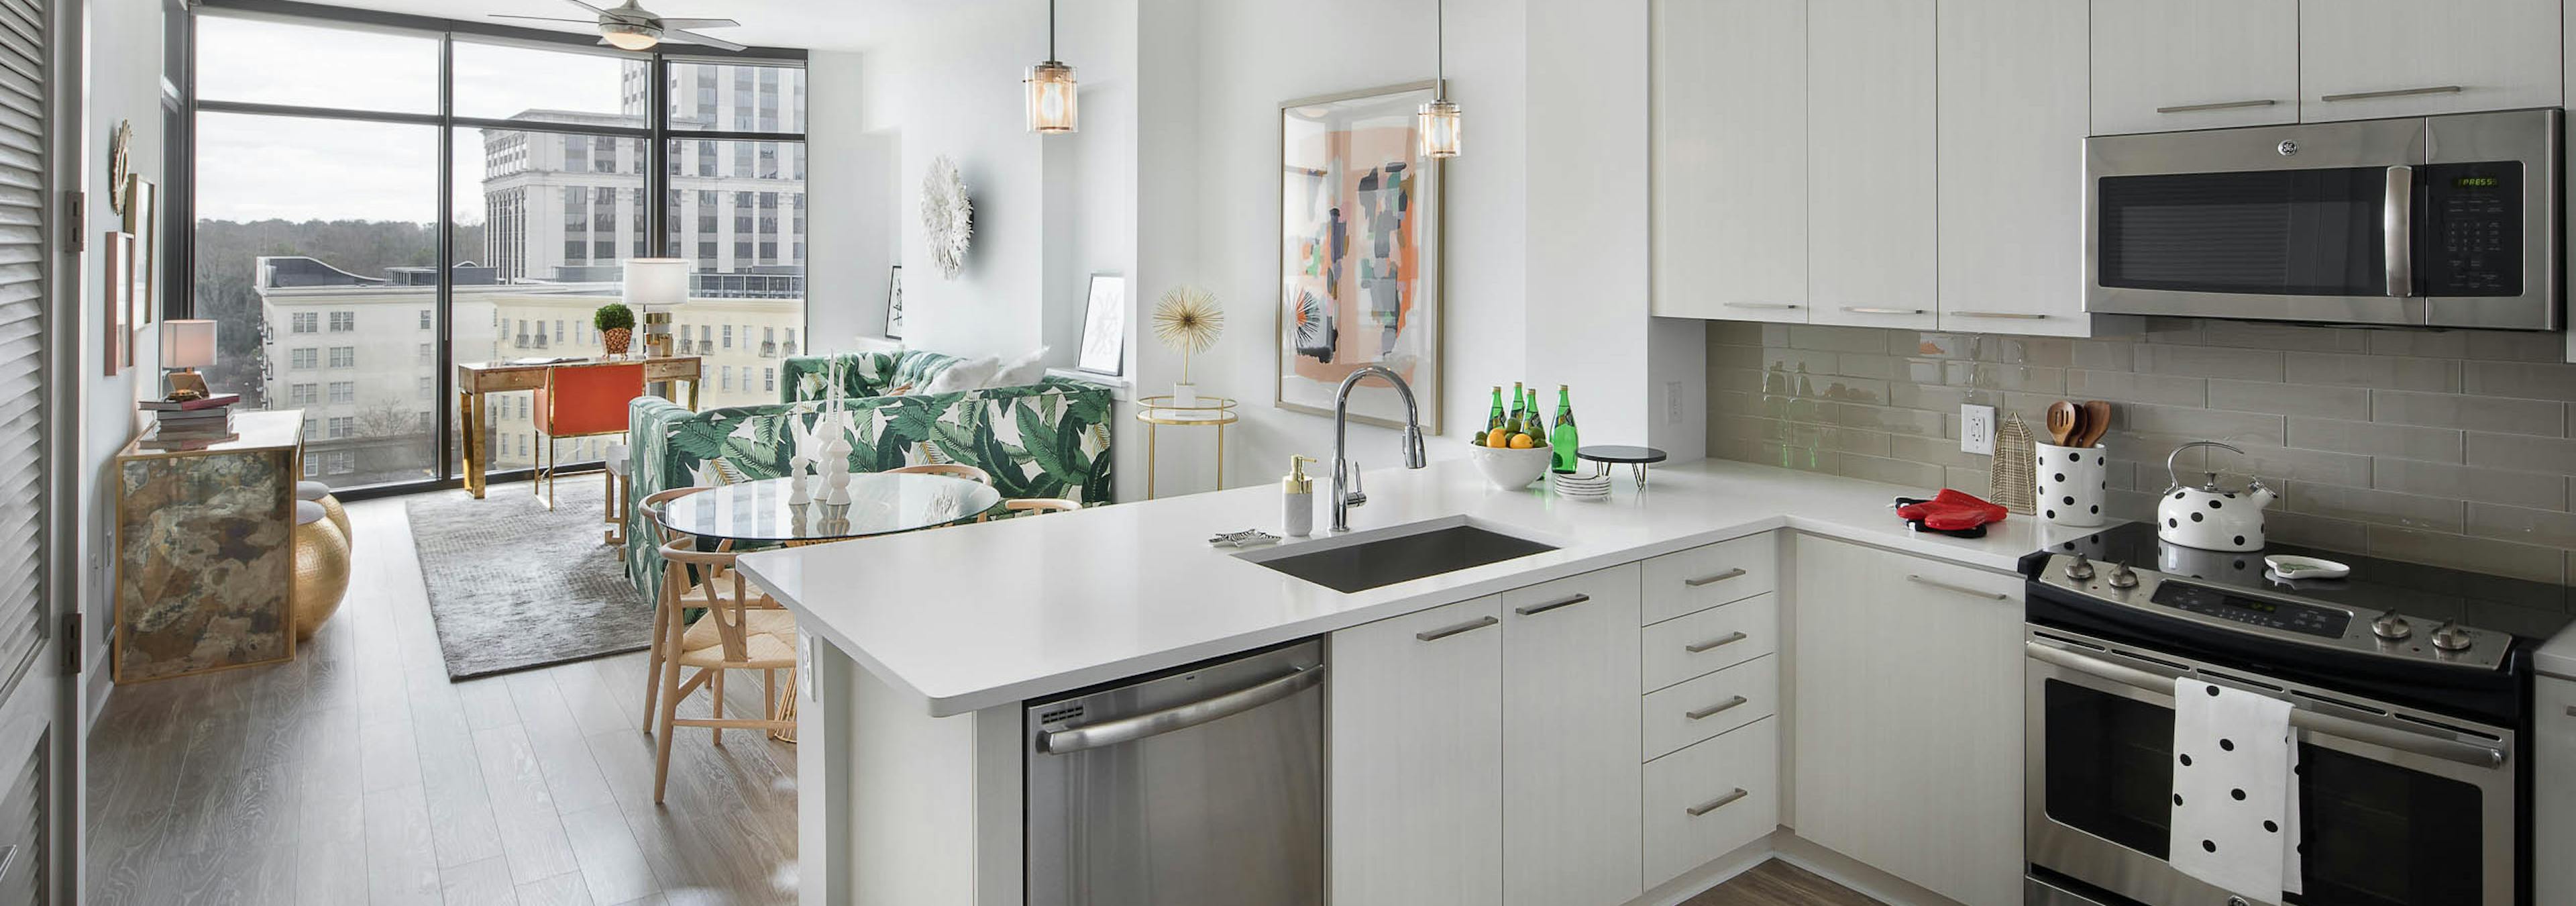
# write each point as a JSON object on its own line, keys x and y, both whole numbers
{"x": 1672, "y": 402}
{"x": 1976, "y": 429}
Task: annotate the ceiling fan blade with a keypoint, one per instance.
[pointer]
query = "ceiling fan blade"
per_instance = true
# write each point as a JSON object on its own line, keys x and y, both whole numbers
{"x": 590, "y": 22}
{"x": 686, "y": 37}
{"x": 585, "y": 6}
{"x": 700, "y": 23}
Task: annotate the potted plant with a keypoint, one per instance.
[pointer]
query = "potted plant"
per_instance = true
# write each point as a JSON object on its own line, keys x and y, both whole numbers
{"x": 616, "y": 325}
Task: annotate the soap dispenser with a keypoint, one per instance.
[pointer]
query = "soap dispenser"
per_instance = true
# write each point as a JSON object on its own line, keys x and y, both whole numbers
{"x": 1297, "y": 499}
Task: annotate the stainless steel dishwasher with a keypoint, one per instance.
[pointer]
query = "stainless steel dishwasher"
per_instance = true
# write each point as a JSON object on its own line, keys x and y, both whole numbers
{"x": 1196, "y": 786}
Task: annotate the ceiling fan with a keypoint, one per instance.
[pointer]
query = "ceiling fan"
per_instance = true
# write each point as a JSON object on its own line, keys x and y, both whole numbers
{"x": 632, "y": 27}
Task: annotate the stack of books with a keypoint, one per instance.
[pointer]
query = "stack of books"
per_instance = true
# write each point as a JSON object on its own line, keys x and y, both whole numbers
{"x": 190, "y": 424}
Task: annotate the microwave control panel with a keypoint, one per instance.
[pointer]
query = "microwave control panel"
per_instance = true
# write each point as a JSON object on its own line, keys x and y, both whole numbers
{"x": 2469, "y": 232}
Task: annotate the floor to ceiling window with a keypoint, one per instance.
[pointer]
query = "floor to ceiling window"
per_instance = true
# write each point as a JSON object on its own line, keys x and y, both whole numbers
{"x": 320, "y": 227}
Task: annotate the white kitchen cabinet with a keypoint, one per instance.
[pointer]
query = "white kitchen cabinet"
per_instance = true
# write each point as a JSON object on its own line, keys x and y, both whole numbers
{"x": 1697, "y": 709}
{"x": 2553, "y": 772}
{"x": 1417, "y": 741}
{"x": 1571, "y": 765}
{"x": 1730, "y": 159}
{"x": 1689, "y": 646}
{"x": 2013, "y": 116}
{"x": 1872, "y": 252}
{"x": 1909, "y": 717}
{"x": 1705, "y": 801}
{"x": 1711, "y": 574}
{"x": 2166, "y": 65}
{"x": 2366, "y": 59}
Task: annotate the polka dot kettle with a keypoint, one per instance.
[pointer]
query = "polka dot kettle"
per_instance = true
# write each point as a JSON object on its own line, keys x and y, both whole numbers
{"x": 2211, "y": 517}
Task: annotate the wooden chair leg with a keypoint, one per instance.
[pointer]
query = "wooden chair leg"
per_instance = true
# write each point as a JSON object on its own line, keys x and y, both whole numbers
{"x": 717, "y": 686}
{"x": 769, "y": 694}
{"x": 653, "y": 664}
{"x": 670, "y": 688}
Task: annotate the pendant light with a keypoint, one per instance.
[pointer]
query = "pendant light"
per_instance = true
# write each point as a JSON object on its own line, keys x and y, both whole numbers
{"x": 1051, "y": 88}
{"x": 1437, "y": 121}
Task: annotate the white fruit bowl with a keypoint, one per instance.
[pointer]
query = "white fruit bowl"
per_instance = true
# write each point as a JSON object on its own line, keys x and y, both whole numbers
{"x": 1508, "y": 469}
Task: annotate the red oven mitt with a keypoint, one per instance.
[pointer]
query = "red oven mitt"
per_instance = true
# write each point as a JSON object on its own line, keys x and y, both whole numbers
{"x": 1951, "y": 511}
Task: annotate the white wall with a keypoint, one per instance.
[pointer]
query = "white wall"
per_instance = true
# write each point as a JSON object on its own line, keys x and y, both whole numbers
{"x": 852, "y": 234}
{"x": 124, "y": 62}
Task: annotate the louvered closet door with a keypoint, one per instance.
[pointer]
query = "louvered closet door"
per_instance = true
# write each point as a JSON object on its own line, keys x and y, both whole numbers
{"x": 31, "y": 778}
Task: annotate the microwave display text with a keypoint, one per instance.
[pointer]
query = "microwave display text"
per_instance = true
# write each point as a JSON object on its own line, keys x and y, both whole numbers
{"x": 2476, "y": 182}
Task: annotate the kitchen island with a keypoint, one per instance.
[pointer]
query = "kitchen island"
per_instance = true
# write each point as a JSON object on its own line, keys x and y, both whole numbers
{"x": 923, "y": 647}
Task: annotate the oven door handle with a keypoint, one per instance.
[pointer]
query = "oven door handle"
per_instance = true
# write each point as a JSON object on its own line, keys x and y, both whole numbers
{"x": 2300, "y": 716}
{"x": 1154, "y": 723}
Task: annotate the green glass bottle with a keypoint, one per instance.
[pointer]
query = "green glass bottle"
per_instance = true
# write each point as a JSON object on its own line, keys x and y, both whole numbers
{"x": 1564, "y": 442}
{"x": 1494, "y": 419}
{"x": 1537, "y": 420}
{"x": 1518, "y": 423}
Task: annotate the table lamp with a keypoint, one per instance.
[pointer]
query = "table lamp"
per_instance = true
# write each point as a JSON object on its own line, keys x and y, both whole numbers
{"x": 187, "y": 345}
{"x": 653, "y": 285}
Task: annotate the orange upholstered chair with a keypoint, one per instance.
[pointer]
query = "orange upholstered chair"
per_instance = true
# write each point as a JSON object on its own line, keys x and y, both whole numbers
{"x": 581, "y": 402}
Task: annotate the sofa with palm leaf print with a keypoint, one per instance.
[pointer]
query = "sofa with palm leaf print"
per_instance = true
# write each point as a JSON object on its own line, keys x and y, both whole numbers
{"x": 1048, "y": 439}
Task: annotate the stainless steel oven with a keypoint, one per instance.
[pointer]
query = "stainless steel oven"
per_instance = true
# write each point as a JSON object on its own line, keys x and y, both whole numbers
{"x": 2444, "y": 221}
{"x": 2410, "y": 695}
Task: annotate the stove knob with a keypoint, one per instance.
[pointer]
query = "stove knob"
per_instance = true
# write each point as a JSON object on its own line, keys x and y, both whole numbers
{"x": 2453, "y": 637}
{"x": 2121, "y": 577}
{"x": 2391, "y": 627}
{"x": 2079, "y": 569}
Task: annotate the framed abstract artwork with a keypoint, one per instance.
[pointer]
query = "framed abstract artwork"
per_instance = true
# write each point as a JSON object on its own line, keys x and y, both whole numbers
{"x": 1104, "y": 326}
{"x": 1359, "y": 253}
{"x": 142, "y": 221}
{"x": 894, "y": 304}
{"x": 119, "y": 335}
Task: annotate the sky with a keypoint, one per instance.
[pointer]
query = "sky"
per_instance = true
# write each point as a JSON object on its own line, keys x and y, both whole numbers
{"x": 256, "y": 167}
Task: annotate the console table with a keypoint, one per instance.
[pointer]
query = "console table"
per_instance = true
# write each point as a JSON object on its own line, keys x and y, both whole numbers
{"x": 205, "y": 552}
{"x": 474, "y": 379}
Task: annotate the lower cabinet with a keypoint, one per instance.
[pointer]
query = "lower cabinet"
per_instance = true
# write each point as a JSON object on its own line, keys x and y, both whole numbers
{"x": 1909, "y": 717}
{"x": 1417, "y": 773}
{"x": 1704, "y": 801}
{"x": 1570, "y": 740}
{"x": 2554, "y": 796}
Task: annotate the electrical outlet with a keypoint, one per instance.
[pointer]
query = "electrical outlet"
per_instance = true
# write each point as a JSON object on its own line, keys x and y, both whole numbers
{"x": 1976, "y": 429}
{"x": 1672, "y": 402}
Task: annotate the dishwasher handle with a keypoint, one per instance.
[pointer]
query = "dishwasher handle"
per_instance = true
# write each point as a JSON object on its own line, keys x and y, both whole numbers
{"x": 1178, "y": 717}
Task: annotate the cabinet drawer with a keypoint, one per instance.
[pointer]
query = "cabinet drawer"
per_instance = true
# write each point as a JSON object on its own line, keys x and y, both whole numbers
{"x": 1723, "y": 636}
{"x": 1723, "y": 701}
{"x": 1704, "y": 577}
{"x": 1732, "y": 781}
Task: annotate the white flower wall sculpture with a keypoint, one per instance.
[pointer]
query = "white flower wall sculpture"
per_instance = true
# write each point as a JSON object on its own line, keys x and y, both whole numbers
{"x": 947, "y": 217}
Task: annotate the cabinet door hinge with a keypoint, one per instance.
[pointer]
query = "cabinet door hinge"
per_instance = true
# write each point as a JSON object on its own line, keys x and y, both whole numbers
{"x": 73, "y": 644}
{"x": 75, "y": 222}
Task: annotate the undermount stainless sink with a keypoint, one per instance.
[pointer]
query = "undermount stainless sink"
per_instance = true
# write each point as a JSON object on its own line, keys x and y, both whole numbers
{"x": 1366, "y": 560}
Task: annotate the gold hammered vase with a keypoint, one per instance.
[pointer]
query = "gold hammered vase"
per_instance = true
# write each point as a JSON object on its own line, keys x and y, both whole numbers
{"x": 321, "y": 568}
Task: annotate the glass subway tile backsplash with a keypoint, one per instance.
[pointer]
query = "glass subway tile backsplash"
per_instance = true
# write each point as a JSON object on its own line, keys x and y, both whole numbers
{"x": 2447, "y": 447}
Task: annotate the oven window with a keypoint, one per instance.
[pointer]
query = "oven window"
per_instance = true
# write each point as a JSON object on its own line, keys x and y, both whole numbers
{"x": 2277, "y": 232}
{"x": 2375, "y": 834}
{"x": 2110, "y": 766}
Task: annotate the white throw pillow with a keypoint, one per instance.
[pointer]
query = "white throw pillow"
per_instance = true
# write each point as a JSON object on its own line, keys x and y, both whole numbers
{"x": 965, "y": 374}
{"x": 1026, "y": 369}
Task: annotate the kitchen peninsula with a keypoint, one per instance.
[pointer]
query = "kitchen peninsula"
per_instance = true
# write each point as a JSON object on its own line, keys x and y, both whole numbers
{"x": 914, "y": 737}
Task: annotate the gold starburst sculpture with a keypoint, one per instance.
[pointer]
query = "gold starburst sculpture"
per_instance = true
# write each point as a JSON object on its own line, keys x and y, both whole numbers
{"x": 1187, "y": 321}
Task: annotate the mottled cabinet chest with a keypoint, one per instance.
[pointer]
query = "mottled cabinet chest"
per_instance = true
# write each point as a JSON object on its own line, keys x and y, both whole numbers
{"x": 205, "y": 551}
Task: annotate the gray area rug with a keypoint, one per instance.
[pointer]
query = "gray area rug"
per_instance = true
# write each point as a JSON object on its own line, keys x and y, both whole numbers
{"x": 513, "y": 586}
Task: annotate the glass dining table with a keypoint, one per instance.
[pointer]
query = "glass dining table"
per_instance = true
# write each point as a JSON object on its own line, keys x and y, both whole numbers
{"x": 881, "y": 503}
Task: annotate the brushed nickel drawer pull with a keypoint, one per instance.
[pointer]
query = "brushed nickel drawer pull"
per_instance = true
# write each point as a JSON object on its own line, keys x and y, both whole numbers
{"x": 2014, "y": 315}
{"x": 2394, "y": 93}
{"x": 1882, "y": 311}
{"x": 2221, "y": 105}
{"x": 1962, "y": 589}
{"x": 1535, "y": 609}
{"x": 1435, "y": 635}
{"x": 1720, "y": 577}
{"x": 1730, "y": 639}
{"x": 1775, "y": 306}
{"x": 1703, "y": 713}
{"x": 1717, "y": 803}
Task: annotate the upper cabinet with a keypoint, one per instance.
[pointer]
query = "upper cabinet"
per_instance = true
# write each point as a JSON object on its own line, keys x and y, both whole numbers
{"x": 2366, "y": 59}
{"x": 2012, "y": 124}
{"x": 1730, "y": 159}
{"x": 1872, "y": 222}
{"x": 2165, "y": 65}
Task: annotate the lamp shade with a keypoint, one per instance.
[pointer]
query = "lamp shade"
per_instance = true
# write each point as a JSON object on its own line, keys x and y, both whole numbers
{"x": 187, "y": 344}
{"x": 657, "y": 281}
{"x": 1052, "y": 101}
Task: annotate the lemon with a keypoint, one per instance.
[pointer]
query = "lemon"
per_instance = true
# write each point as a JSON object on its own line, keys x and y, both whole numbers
{"x": 1522, "y": 442}
{"x": 1496, "y": 438}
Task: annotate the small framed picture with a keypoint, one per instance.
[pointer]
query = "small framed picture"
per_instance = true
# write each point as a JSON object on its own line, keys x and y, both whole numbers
{"x": 1104, "y": 326}
{"x": 894, "y": 304}
{"x": 118, "y": 353}
{"x": 142, "y": 221}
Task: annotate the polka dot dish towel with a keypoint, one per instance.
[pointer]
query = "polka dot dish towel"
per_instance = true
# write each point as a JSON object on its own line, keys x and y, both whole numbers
{"x": 2236, "y": 793}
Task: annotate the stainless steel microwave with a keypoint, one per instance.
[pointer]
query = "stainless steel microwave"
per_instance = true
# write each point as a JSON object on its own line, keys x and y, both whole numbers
{"x": 2443, "y": 221}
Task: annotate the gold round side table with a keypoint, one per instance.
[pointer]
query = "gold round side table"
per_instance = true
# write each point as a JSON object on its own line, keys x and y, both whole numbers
{"x": 1209, "y": 411}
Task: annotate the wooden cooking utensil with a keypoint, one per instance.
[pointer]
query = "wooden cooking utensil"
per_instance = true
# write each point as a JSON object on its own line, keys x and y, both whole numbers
{"x": 2097, "y": 422}
{"x": 2061, "y": 421}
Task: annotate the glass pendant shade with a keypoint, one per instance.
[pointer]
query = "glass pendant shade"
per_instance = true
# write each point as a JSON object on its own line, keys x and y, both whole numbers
{"x": 1437, "y": 121}
{"x": 1051, "y": 98}
{"x": 629, "y": 37}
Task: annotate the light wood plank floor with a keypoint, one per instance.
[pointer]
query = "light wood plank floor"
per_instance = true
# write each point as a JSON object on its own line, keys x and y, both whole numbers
{"x": 360, "y": 775}
{"x": 1778, "y": 883}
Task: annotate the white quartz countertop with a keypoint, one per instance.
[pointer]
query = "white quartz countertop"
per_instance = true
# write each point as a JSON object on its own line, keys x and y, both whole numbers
{"x": 980, "y": 615}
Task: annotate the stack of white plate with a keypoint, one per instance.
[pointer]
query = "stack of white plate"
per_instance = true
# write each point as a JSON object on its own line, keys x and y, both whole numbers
{"x": 1581, "y": 487}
